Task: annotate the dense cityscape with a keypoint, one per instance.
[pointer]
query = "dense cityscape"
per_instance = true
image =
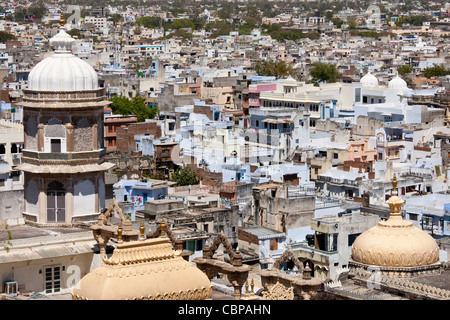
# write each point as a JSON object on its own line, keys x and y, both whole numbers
{"x": 272, "y": 150}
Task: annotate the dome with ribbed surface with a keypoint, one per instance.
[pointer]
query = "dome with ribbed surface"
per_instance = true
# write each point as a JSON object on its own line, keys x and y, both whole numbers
{"x": 62, "y": 71}
{"x": 395, "y": 242}
{"x": 369, "y": 80}
{"x": 397, "y": 83}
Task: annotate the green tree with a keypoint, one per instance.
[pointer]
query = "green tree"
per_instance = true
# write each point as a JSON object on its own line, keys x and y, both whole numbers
{"x": 277, "y": 68}
{"x": 402, "y": 70}
{"x": 219, "y": 28}
{"x": 337, "y": 22}
{"x": 149, "y": 22}
{"x": 5, "y": 36}
{"x": 185, "y": 176}
{"x": 181, "y": 23}
{"x": 75, "y": 33}
{"x": 435, "y": 71}
{"x": 136, "y": 106}
{"x": 323, "y": 72}
{"x": 351, "y": 23}
{"x": 115, "y": 18}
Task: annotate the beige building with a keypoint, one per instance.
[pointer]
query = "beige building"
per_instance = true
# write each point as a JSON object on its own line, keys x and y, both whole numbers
{"x": 63, "y": 142}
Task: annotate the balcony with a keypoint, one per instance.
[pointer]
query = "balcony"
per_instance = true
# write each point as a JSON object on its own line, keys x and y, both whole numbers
{"x": 301, "y": 249}
{"x": 417, "y": 172}
{"x": 89, "y": 156}
{"x": 337, "y": 181}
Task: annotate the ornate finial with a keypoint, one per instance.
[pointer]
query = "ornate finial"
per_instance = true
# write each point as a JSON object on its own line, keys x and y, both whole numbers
{"x": 163, "y": 228}
{"x": 395, "y": 202}
{"x": 142, "y": 230}
{"x": 62, "y": 21}
{"x": 246, "y": 288}
{"x": 119, "y": 234}
{"x": 252, "y": 287}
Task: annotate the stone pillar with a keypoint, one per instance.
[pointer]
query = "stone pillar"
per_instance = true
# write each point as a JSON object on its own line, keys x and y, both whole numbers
{"x": 95, "y": 145}
{"x": 69, "y": 201}
{"x": 70, "y": 137}
{"x": 40, "y": 137}
{"x": 237, "y": 285}
{"x": 96, "y": 186}
{"x": 42, "y": 218}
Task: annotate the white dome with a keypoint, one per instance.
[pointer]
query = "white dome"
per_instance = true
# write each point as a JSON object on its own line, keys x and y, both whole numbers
{"x": 289, "y": 80}
{"x": 62, "y": 71}
{"x": 369, "y": 80}
{"x": 397, "y": 83}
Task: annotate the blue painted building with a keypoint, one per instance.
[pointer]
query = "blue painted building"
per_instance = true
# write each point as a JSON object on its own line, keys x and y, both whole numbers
{"x": 139, "y": 191}
{"x": 447, "y": 219}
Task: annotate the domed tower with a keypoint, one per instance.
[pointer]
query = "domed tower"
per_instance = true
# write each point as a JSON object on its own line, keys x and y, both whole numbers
{"x": 369, "y": 80}
{"x": 397, "y": 83}
{"x": 63, "y": 111}
{"x": 396, "y": 246}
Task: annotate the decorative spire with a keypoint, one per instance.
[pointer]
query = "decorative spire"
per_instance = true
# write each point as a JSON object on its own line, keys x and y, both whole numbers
{"x": 394, "y": 184}
{"x": 119, "y": 234}
{"x": 62, "y": 21}
{"x": 142, "y": 230}
{"x": 62, "y": 41}
{"x": 395, "y": 202}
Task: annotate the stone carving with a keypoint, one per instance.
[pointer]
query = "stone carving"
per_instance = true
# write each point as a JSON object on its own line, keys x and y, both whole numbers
{"x": 54, "y": 129}
{"x": 31, "y": 134}
{"x": 235, "y": 256}
{"x": 279, "y": 292}
{"x": 286, "y": 256}
{"x": 177, "y": 244}
{"x": 83, "y": 136}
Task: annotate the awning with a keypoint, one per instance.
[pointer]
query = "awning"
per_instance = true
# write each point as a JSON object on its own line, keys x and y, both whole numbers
{"x": 65, "y": 169}
{"x": 45, "y": 252}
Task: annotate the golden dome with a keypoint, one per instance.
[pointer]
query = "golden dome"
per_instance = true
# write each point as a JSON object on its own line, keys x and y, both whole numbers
{"x": 144, "y": 269}
{"x": 395, "y": 242}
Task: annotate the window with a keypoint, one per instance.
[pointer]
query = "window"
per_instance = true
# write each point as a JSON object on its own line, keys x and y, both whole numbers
{"x": 413, "y": 217}
{"x": 357, "y": 94}
{"x": 165, "y": 153}
{"x": 352, "y": 238}
{"x": 55, "y": 145}
{"x": 52, "y": 279}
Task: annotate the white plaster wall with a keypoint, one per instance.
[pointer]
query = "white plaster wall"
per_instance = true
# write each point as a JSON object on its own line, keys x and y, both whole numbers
{"x": 84, "y": 198}
{"x": 101, "y": 193}
{"x": 29, "y": 279}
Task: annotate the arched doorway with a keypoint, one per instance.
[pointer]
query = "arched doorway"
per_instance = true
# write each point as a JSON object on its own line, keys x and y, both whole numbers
{"x": 56, "y": 202}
